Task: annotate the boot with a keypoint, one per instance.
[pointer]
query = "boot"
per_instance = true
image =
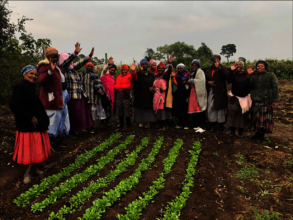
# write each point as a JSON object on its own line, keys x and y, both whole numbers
{"x": 232, "y": 132}
{"x": 121, "y": 122}
{"x": 255, "y": 136}
{"x": 220, "y": 128}
{"x": 240, "y": 132}
{"x": 214, "y": 127}
{"x": 128, "y": 122}
{"x": 260, "y": 138}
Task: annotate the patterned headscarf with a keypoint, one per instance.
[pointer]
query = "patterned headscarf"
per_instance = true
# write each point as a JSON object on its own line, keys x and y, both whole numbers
{"x": 27, "y": 69}
{"x": 51, "y": 51}
{"x": 180, "y": 65}
{"x": 143, "y": 61}
{"x": 197, "y": 62}
{"x": 64, "y": 56}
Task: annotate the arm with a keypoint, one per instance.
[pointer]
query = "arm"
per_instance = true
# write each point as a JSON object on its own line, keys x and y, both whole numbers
{"x": 167, "y": 74}
{"x": 66, "y": 63}
{"x": 81, "y": 63}
{"x": 133, "y": 76}
{"x": 105, "y": 69}
{"x": 45, "y": 76}
{"x": 275, "y": 92}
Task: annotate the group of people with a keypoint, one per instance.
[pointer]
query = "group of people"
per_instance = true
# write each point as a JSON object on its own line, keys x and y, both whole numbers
{"x": 70, "y": 102}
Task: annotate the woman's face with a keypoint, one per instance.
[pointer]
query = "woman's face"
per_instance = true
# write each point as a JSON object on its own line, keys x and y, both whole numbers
{"x": 239, "y": 66}
{"x": 54, "y": 58}
{"x": 112, "y": 71}
{"x": 261, "y": 67}
{"x": 144, "y": 66}
{"x": 194, "y": 67}
{"x": 161, "y": 70}
{"x": 31, "y": 76}
{"x": 180, "y": 69}
{"x": 89, "y": 68}
{"x": 154, "y": 66}
{"x": 124, "y": 71}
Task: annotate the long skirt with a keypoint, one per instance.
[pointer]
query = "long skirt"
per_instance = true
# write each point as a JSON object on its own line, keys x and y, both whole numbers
{"x": 31, "y": 147}
{"x": 261, "y": 117}
{"x": 213, "y": 114}
{"x": 59, "y": 118}
{"x": 79, "y": 114}
{"x": 144, "y": 115}
{"x": 122, "y": 103}
{"x": 163, "y": 114}
{"x": 235, "y": 118}
{"x": 98, "y": 112}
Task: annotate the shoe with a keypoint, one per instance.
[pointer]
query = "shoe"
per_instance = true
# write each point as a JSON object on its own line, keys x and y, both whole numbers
{"x": 84, "y": 130}
{"x": 72, "y": 136}
{"x": 197, "y": 128}
{"x": 178, "y": 127}
{"x": 214, "y": 127}
{"x": 220, "y": 128}
{"x": 61, "y": 143}
{"x": 140, "y": 125}
{"x": 92, "y": 130}
{"x": 200, "y": 130}
{"x": 147, "y": 125}
{"x": 27, "y": 177}
{"x": 260, "y": 138}
{"x": 55, "y": 148}
{"x": 232, "y": 134}
{"x": 240, "y": 132}
{"x": 37, "y": 171}
{"x": 255, "y": 136}
{"x": 186, "y": 128}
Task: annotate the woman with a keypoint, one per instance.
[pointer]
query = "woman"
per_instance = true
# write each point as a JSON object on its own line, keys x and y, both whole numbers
{"x": 216, "y": 77}
{"x": 153, "y": 67}
{"x": 160, "y": 89}
{"x": 32, "y": 143}
{"x": 78, "y": 107}
{"x": 180, "y": 96}
{"x": 239, "y": 101}
{"x": 265, "y": 97}
{"x": 123, "y": 86}
{"x": 95, "y": 91}
{"x": 198, "y": 97}
{"x": 54, "y": 97}
{"x": 108, "y": 80}
{"x": 143, "y": 96}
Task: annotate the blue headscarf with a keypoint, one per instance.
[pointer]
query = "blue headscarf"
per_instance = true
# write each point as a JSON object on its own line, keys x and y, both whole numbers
{"x": 27, "y": 69}
{"x": 144, "y": 61}
{"x": 197, "y": 62}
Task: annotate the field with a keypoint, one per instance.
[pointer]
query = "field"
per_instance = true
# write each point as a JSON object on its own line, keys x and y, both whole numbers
{"x": 135, "y": 173}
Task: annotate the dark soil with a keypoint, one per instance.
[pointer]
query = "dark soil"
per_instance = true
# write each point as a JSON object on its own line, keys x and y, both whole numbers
{"x": 217, "y": 193}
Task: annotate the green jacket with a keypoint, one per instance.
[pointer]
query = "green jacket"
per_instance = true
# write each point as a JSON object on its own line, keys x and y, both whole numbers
{"x": 264, "y": 86}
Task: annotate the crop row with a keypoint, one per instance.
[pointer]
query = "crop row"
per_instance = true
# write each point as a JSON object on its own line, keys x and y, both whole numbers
{"x": 85, "y": 194}
{"x": 79, "y": 178}
{"x": 135, "y": 208}
{"x": 35, "y": 191}
{"x": 100, "y": 205}
{"x": 174, "y": 208}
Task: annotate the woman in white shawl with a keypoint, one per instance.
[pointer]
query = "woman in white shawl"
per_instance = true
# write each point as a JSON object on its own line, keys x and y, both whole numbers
{"x": 198, "y": 96}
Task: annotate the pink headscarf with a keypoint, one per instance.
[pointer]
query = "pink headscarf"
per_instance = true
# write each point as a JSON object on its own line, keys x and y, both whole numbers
{"x": 64, "y": 56}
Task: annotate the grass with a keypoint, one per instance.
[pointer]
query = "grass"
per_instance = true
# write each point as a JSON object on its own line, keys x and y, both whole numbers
{"x": 265, "y": 215}
{"x": 246, "y": 172}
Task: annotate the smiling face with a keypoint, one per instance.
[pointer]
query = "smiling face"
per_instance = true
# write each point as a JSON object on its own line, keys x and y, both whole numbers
{"x": 124, "y": 71}
{"x": 180, "y": 69}
{"x": 239, "y": 67}
{"x": 112, "y": 71}
{"x": 194, "y": 67}
{"x": 161, "y": 70}
{"x": 154, "y": 66}
{"x": 261, "y": 67}
{"x": 89, "y": 68}
{"x": 31, "y": 76}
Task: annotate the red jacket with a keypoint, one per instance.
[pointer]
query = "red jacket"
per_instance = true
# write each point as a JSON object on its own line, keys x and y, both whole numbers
{"x": 50, "y": 83}
{"x": 124, "y": 82}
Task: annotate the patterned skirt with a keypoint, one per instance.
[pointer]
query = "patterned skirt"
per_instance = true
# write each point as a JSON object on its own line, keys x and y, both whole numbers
{"x": 261, "y": 117}
{"x": 31, "y": 147}
{"x": 122, "y": 103}
{"x": 235, "y": 118}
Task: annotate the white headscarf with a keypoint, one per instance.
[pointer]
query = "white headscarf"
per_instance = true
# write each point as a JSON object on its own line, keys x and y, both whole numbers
{"x": 180, "y": 65}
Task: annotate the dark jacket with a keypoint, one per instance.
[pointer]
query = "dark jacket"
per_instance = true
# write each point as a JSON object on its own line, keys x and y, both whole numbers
{"x": 264, "y": 86}
{"x": 25, "y": 104}
{"x": 239, "y": 86}
{"x": 220, "y": 90}
{"x": 143, "y": 97}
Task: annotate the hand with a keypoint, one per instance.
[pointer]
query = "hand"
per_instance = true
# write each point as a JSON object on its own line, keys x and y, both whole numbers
{"x": 211, "y": 83}
{"x": 232, "y": 66}
{"x": 152, "y": 90}
{"x": 187, "y": 100}
{"x": 34, "y": 121}
{"x": 249, "y": 69}
{"x": 170, "y": 59}
{"x": 140, "y": 67}
{"x": 275, "y": 104}
{"x": 217, "y": 63}
{"x": 111, "y": 61}
{"x": 92, "y": 52}
{"x": 161, "y": 89}
{"x": 52, "y": 65}
{"x": 77, "y": 48}
{"x": 173, "y": 73}
{"x": 132, "y": 67}
{"x": 101, "y": 91}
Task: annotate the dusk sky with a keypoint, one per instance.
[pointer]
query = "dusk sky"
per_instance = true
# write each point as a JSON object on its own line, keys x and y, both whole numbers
{"x": 260, "y": 29}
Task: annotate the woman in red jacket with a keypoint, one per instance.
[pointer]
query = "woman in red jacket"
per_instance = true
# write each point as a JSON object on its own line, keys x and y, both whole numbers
{"x": 122, "y": 86}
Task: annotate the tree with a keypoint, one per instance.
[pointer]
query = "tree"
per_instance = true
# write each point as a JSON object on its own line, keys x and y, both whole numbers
{"x": 228, "y": 50}
{"x": 81, "y": 56}
{"x": 149, "y": 54}
{"x": 204, "y": 51}
{"x": 242, "y": 59}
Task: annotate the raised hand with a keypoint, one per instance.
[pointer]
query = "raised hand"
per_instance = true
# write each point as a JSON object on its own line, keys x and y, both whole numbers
{"x": 111, "y": 61}
{"x": 140, "y": 67}
{"x": 249, "y": 69}
{"x": 92, "y": 52}
{"x": 232, "y": 66}
{"x": 77, "y": 48}
{"x": 173, "y": 73}
{"x": 170, "y": 59}
{"x": 52, "y": 65}
{"x": 132, "y": 67}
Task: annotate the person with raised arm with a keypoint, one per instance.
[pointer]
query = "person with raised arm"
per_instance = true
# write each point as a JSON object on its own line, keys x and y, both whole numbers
{"x": 123, "y": 86}
{"x": 265, "y": 97}
{"x": 143, "y": 96}
{"x": 239, "y": 101}
{"x": 108, "y": 80}
{"x": 78, "y": 107}
{"x": 216, "y": 77}
{"x": 32, "y": 143}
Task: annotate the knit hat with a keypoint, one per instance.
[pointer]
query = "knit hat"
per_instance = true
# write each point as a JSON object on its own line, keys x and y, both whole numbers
{"x": 143, "y": 61}
{"x": 151, "y": 62}
{"x": 27, "y": 69}
{"x": 180, "y": 65}
{"x": 161, "y": 64}
{"x": 197, "y": 62}
{"x": 113, "y": 66}
{"x": 263, "y": 62}
{"x": 89, "y": 63}
{"x": 124, "y": 66}
{"x": 51, "y": 51}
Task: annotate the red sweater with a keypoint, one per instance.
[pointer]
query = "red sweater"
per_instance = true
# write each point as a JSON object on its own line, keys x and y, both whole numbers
{"x": 124, "y": 82}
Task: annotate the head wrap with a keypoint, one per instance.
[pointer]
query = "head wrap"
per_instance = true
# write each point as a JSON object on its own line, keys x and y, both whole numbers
{"x": 143, "y": 61}
{"x": 197, "y": 62}
{"x": 113, "y": 66}
{"x": 27, "y": 69}
{"x": 51, "y": 51}
{"x": 124, "y": 66}
{"x": 216, "y": 56}
{"x": 64, "y": 56}
{"x": 161, "y": 64}
{"x": 263, "y": 62}
{"x": 180, "y": 65}
{"x": 151, "y": 62}
{"x": 89, "y": 63}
